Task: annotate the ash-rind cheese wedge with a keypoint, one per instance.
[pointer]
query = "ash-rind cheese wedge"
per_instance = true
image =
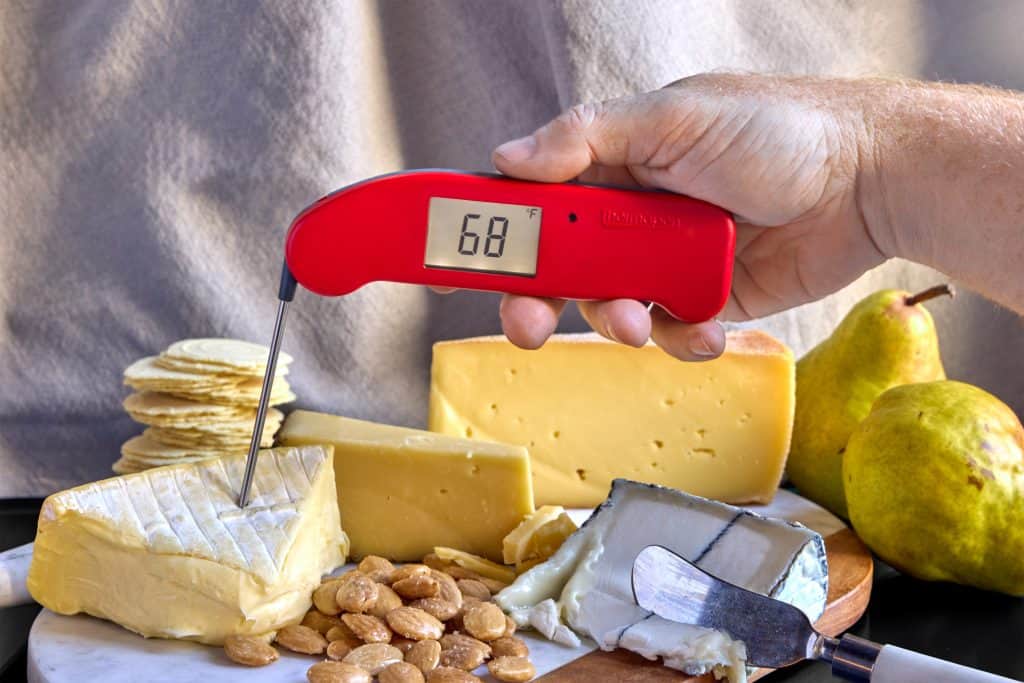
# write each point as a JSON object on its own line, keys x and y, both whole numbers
{"x": 167, "y": 552}
{"x": 587, "y": 582}
{"x": 590, "y": 410}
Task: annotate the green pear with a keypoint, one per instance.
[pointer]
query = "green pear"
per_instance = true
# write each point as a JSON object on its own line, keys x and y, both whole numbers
{"x": 887, "y": 339}
{"x": 934, "y": 480}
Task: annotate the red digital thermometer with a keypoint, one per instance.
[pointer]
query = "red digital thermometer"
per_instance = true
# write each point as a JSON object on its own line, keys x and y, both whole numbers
{"x": 493, "y": 233}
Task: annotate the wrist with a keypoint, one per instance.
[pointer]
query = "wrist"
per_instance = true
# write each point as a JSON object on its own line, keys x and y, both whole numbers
{"x": 883, "y": 191}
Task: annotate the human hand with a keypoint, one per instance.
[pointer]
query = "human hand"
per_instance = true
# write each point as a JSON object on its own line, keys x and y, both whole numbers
{"x": 783, "y": 154}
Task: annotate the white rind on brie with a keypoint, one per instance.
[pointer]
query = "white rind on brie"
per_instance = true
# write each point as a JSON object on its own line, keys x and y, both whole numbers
{"x": 588, "y": 579}
{"x": 168, "y": 553}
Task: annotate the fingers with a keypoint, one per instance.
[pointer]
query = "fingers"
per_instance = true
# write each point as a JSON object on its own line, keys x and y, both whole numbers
{"x": 623, "y": 320}
{"x": 691, "y": 342}
{"x": 617, "y": 133}
{"x": 529, "y": 321}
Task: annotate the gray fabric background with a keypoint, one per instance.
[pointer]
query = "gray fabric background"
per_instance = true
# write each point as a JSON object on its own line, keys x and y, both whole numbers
{"x": 153, "y": 154}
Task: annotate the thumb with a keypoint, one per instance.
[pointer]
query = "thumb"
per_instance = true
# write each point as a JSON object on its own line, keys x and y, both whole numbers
{"x": 617, "y": 133}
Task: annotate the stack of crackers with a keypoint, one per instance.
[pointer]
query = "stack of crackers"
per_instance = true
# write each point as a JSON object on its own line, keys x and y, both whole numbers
{"x": 198, "y": 400}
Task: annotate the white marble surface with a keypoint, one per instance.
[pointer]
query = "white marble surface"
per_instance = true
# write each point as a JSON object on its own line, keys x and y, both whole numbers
{"x": 65, "y": 649}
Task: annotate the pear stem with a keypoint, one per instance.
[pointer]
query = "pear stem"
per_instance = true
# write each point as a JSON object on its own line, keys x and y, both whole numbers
{"x": 930, "y": 293}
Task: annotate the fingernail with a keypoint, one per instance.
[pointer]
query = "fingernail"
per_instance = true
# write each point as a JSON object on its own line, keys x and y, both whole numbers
{"x": 518, "y": 150}
{"x": 699, "y": 347}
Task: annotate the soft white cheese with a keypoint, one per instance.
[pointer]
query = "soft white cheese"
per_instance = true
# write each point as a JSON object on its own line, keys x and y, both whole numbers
{"x": 168, "y": 553}
{"x": 588, "y": 579}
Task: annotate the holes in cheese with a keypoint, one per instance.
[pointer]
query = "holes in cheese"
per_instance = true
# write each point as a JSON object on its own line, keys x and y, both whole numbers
{"x": 589, "y": 410}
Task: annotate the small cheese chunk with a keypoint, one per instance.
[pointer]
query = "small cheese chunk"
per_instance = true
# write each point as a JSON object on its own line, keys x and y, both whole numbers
{"x": 587, "y": 585}
{"x": 590, "y": 410}
{"x": 168, "y": 553}
{"x": 404, "y": 491}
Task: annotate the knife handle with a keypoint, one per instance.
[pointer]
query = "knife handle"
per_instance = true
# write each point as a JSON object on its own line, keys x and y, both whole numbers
{"x": 896, "y": 665}
{"x": 859, "y": 659}
{"x": 14, "y": 565}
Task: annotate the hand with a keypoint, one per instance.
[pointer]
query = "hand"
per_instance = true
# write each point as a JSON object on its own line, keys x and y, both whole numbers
{"x": 783, "y": 155}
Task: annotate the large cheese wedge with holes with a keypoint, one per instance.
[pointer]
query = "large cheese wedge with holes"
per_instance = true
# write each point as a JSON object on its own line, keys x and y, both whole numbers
{"x": 168, "y": 553}
{"x": 404, "y": 491}
{"x": 589, "y": 410}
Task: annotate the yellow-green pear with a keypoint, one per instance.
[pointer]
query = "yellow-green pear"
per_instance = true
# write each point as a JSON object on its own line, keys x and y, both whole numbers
{"x": 886, "y": 340}
{"x": 935, "y": 485}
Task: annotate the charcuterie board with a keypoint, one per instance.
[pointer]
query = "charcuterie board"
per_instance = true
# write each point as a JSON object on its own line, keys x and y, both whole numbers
{"x": 64, "y": 649}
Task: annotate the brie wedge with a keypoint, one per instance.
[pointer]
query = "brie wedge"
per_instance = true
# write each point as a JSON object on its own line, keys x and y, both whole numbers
{"x": 168, "y": 553}
{"x": 587, "y": 582}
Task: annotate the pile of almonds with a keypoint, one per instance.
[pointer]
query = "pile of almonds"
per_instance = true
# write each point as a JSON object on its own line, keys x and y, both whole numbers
{"x": 430, "y": 622}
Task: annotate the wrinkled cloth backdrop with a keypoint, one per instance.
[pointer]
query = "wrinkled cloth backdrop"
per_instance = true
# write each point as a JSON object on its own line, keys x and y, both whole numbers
{"x": 154, "y": 153}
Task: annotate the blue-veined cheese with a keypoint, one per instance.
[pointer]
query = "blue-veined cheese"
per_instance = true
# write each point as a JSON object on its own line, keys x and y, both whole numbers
{"x": 587, "y": 582}
{"x": 168, "y": 553}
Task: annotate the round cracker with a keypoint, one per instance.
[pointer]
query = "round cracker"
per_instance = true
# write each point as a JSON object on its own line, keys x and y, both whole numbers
{"x": 232, "y": 353}
{"x": 145, "y": 374}
{"x": 170, "y": 363}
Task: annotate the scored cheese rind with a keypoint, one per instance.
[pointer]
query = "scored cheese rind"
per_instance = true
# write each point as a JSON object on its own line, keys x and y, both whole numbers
{"x": 404, "y": 491}
{"x": 168, "y": 553}
{"x": 590, "y": 410}
{"x": 589, "y": 576}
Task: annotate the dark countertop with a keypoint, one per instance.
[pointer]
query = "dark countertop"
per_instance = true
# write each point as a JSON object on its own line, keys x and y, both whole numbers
{"x": 967, "y": 626}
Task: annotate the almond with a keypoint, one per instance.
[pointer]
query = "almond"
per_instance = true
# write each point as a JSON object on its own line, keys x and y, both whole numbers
{"x": 324, "y": 597}
{"x": 454, "y": 640}
{"x": 441, "y": 610}
{"x": 336, "y": 672}
{"x": 425, "y": 654}
{"x": 512, "y": 669}
{"x": 249, "y": 650}
{"x": 340, "y": 632}
{"x": 458, "y": 572}
{"x": 447, "y": 674}
{"x": 357, "y": 594}
{"x": 414, "y": 623}
{"x": 368, "y": 628}
{"x": 318, "y": 621}
{"x": 387, "y": 600}
{"x": 302, "y": 639}
{"x": 402, "y": 643}
{"x": 377, "y": 568}
{"x": 484, "y": 621}
{"x": 417, "y": 586}
{"x": 493, "y": 585}
{"x": 465, "y": 658}
{"x": 447, "y": 588}
{"x": 435, "y": 562}
{"x": 509, "y": 646}
{"x": 471, "y": 588}
{"x": 407, "y": 570}
{"x": 374, "y": 657}
{"x": 401, "y": 672}
{"x": 339, "y": 649}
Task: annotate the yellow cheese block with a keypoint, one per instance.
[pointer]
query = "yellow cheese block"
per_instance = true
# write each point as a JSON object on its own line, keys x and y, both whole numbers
{"x": 590, "y": 410}
{"x": 403, "y": 491}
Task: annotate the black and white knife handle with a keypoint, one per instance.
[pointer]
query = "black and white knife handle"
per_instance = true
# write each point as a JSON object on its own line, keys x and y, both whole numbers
{"x": 857, "y": 659}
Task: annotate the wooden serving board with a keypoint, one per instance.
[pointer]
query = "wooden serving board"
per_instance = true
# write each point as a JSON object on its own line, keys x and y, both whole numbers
{"x": 850, "y": 570}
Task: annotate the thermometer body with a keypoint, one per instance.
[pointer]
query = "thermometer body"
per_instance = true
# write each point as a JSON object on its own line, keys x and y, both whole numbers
{"x": 492, "y": 233}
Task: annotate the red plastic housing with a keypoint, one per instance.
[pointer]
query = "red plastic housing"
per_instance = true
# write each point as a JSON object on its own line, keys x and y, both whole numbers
{"x": 595, "y": 242}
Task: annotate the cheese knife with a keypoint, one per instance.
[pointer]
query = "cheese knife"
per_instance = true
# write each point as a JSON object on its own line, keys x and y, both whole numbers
{"x": 775, "y": 633}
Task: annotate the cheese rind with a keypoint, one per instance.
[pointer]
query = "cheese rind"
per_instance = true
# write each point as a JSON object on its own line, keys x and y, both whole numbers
{"x": 404, "y": 491}
{"x": 589, "y": 576}
{"x": 590, "y": 410}
{"x": 167, "y": 552}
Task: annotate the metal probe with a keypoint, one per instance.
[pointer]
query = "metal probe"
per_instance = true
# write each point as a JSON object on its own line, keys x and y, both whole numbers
{"x": 285, "y": 294}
